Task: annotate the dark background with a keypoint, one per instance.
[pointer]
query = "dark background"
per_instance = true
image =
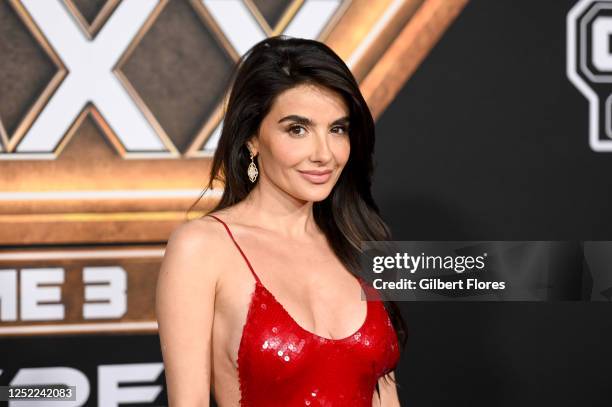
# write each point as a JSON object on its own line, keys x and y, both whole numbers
{"x": 488, "y": 140}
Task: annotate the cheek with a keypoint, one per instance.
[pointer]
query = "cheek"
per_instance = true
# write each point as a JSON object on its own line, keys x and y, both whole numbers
{"x": 285, "y": 153}
{"x": 342, "y": 150}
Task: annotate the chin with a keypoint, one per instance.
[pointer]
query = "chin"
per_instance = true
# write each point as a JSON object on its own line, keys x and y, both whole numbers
{"x": 314, "y": 194}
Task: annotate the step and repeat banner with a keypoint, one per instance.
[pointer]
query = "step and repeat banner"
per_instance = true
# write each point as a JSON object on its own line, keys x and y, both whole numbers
{"x": 110, "y": 112}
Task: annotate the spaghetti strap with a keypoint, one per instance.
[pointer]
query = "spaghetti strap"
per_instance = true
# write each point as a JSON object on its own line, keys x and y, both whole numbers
{"x": 238, "y": 246}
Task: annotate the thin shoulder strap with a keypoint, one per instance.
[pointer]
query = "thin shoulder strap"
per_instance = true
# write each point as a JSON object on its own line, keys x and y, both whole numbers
{"x": 238, "y": 246}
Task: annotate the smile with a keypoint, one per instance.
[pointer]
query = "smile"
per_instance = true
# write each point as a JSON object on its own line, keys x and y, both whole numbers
{"x": 317, "y": 177}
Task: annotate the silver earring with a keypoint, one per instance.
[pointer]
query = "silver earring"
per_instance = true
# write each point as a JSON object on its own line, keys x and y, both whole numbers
{"x": 252, "y": 170}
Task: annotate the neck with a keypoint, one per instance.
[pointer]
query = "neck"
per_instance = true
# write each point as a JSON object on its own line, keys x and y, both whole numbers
{"x": 272, "y": 208}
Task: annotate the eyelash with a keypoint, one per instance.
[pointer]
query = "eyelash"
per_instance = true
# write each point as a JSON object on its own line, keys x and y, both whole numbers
{"x": 344, "y": 129}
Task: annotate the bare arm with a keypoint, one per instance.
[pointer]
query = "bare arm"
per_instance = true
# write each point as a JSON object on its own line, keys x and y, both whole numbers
{"x": 388, "y": 393}
{"x": 184, "y": 307}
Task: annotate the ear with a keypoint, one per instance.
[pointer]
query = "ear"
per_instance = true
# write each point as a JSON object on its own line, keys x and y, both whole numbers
{"x": 253, "y": 145}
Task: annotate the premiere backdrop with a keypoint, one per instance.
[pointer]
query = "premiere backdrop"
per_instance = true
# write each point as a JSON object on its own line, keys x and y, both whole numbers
{"x": 492, "y": 124}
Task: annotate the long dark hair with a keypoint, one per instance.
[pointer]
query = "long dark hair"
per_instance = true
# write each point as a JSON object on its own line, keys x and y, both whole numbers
{"x": 349, "y": 214}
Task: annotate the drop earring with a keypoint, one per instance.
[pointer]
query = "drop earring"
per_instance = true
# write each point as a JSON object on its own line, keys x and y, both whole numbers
{"x": 252, "y": 170}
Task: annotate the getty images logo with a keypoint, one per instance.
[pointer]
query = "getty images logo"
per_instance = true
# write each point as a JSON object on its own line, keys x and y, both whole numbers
{"x": 589, "y": 65}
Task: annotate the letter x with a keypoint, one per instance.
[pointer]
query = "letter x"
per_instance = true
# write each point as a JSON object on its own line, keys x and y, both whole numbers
{"x": 91, "y": 78}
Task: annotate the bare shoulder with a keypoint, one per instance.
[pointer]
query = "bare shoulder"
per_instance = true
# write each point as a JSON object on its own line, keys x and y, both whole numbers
{"x": 195, "y": 232}
{"x": 197, "y": 228}
{"x": 185, "y": 309}
{"x": 196, "y": 247}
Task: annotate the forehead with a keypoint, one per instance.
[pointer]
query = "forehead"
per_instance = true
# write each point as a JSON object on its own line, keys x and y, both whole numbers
{"x": 310, "y": 101}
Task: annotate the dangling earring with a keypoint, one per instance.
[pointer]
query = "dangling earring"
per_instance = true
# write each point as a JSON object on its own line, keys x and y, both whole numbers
{"x": 252, "y": 170}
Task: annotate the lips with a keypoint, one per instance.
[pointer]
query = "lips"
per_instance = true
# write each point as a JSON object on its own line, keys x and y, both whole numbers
{"x": 317, "y": 176}
{"x": 313, "y": 172}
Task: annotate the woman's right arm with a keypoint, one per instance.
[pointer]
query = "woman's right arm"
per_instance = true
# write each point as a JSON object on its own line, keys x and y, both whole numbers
{"x": 184, "y": 307}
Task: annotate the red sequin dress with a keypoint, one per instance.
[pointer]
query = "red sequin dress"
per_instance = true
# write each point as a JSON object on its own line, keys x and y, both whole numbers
{"x": 281, "y": 364}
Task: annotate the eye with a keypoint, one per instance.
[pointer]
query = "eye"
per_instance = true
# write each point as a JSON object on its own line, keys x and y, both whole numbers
{"x": 339, "y": 129}
{"x": 295, "y": 130}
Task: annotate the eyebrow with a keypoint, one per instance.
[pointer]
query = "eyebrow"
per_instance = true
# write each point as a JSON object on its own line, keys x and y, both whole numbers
{"x": 307, "y": 122}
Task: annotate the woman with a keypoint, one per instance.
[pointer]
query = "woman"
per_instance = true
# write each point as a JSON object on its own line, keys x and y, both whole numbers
{"x": 259, "y": 300}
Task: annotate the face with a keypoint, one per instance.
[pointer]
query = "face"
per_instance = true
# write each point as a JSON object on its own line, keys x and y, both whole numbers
{"x": 303, "y": 142}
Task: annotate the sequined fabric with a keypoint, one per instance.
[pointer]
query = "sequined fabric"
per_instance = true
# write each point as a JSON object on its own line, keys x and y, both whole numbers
{"x": 281, "y": 364}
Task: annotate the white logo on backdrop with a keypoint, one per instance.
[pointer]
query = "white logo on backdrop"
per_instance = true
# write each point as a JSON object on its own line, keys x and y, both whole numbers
{"x": 589, "y": 65}
{"x": 39, "y": 293}
{"x": 90, "y": 64}
{"x": 90, "y": 78}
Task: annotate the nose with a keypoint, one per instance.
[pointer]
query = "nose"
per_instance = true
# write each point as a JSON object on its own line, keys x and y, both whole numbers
{"x": 321, "y": 151}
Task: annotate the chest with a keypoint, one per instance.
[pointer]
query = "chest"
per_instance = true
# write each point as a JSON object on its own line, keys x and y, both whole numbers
{"x": 318, "y": 292}
{"x": 278, "y": 356}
